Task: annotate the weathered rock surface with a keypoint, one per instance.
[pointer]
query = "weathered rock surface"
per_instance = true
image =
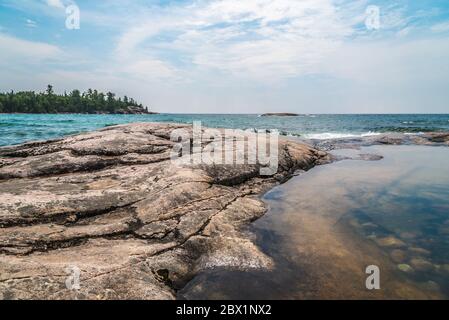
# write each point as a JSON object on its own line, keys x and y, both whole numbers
{"x": 428, "y": 139}
{"x": 113, "y": 206}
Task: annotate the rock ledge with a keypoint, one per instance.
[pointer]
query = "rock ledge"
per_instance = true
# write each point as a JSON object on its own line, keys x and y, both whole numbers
{"x": 110, "y": 206}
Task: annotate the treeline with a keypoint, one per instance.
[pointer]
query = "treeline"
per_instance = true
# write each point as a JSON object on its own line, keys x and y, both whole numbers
{"x": 90, "y": 101}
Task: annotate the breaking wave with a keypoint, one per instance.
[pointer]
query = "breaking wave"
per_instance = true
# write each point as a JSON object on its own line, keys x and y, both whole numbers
{"x": 336, "y": 135}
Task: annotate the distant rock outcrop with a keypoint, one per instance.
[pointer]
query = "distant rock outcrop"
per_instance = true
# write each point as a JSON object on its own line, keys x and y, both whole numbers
{"x": 134, "y": 110}
{"x": 281, "y": 114}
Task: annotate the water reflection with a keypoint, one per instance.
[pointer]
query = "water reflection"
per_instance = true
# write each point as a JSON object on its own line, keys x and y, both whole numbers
{"x": 324, "y": 227}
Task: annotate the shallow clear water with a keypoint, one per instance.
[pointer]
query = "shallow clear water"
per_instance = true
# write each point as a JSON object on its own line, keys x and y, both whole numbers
{"x": 326, "y": 226}
{"x": 18, "y": 128}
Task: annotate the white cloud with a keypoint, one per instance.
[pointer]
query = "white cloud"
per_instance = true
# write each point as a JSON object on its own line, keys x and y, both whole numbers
{"x": 55, "y": 3}
{"x": 257, "y": 39}
{"x": 440, "y": 27}
{"x": 405, "y": 31}
{"x": 30, "y": 23}
{"x": 148, "y": 69}
{"x": 251, "y": 55}
{"x": 390, "y": 62}
{"x": 17, "y": 51}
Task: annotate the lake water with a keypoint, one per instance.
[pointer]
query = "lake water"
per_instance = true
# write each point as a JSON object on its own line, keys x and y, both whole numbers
{"x": 18, "y": 128}
{"x": 326, "y": 226}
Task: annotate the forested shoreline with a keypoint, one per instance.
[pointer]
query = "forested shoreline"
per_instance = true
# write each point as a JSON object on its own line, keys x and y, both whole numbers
{"x": 89, "y": 102}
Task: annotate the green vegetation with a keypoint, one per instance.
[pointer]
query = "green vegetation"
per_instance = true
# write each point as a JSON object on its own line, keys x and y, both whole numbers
{"x": 90, "y": 101}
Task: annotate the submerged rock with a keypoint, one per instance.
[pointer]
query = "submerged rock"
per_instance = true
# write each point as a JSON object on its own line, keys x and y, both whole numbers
{"x": 445, "y": 268}
{"x": 405, "y": 267}
{"x": 408, "y": 235}
{"x": 419, "y": 251}
{"x": 398, "y": 256}
{"x": 369, "y": 157}
{"x": 431, "y": 286}
{"x": 421, "y": 264}
{"x": 108, "y": 215}
{"x": 444, "y": 230}
{"x": 390, "y": 242}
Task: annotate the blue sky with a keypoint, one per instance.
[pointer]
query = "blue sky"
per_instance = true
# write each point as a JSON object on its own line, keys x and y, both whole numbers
{"x": 235, "y": 56}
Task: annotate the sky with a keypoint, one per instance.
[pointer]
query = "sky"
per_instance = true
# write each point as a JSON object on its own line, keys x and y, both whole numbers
{"x": 234, "y": 56}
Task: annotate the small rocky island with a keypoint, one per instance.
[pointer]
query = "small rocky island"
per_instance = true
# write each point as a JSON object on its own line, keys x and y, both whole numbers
{"x": 281, "y": 114}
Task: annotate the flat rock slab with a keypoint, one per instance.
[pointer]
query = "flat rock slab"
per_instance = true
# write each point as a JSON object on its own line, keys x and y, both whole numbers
{"x": 425, "y": 139}
{"x": 109, "y": 215}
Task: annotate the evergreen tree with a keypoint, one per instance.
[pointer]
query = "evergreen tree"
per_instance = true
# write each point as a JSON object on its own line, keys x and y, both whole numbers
{"x": 90, "y": 101}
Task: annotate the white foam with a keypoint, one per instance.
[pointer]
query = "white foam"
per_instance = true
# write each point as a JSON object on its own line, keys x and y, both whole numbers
{"x": 370, "y": 134}
{"x": 332, "y": 135}
{"x": 413, "y": 133}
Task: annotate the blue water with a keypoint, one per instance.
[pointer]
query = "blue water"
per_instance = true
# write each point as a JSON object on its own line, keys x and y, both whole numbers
{"x": 325, "y": 226}
{"x": 19, "y": 128}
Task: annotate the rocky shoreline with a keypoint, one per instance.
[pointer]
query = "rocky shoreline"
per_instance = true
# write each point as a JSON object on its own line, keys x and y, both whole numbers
{"x": 424, "y": 139}
{"x": 111, "y": 207}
